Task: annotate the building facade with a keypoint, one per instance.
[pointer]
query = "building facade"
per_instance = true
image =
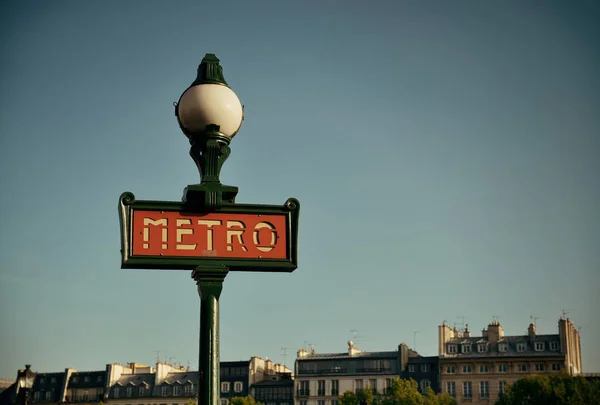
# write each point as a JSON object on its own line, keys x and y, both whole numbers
{"x": 275, "y": 390}
{"x": 425, "y": 370}
{"x": 322, "y": 378}
{"x": 476, "y": 370}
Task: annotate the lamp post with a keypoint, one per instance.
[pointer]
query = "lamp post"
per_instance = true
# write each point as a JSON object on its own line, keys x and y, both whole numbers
{"x": 209, "y": 114}
{"x": 208, "y": 232}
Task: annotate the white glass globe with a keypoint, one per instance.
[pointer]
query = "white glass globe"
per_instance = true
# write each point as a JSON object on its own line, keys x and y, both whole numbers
{"x": 206, "y": 104}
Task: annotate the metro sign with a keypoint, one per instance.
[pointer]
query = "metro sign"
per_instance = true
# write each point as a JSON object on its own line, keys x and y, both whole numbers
{"x": 243, "y": 237}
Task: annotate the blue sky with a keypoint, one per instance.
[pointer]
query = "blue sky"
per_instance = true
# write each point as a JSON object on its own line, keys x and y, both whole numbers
{"x": 446, "y": 156}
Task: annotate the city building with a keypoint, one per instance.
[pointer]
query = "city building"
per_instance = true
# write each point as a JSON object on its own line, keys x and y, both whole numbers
{"x": 238, "y": 376}
{"x": 425, "y": 370}
{"x": 277, "y": 389}
{"x": 321, "y": 378}
{"x": 477, "y": 369}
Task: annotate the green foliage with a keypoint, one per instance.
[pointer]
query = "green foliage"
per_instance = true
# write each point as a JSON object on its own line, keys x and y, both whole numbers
{"x": 191, "y": 402}
{"x": 557, "y": 389}
{"x": 247, "y": 400}
{"x": 403, "y": 392}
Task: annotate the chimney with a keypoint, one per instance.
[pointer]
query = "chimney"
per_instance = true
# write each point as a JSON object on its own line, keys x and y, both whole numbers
{"x": 531, "y": 332}
{"x": 352, "y": 350}
{"x": 467, "y": 332}
{"x": 302, "y": 353}
{"x": 494, "y": 332}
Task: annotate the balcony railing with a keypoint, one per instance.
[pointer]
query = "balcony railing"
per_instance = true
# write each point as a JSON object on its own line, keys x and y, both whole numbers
{"x": 374, "y": 370}
{"x": 303, "y": 392}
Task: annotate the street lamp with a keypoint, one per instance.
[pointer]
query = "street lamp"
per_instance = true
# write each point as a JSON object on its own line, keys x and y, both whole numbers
{"x": 209, "y": 114}
{"x": 208, "y": 232}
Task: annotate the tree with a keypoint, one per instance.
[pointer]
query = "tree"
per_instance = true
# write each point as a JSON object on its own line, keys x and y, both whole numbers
{"x": 557, "y": 389}
{"x": 247, "y": 400}
{"x": 403, "y": 392}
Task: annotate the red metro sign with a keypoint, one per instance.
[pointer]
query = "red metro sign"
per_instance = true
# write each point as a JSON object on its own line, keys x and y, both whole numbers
{"x": 173, "y": 234}
{"x": 243, "y": 237}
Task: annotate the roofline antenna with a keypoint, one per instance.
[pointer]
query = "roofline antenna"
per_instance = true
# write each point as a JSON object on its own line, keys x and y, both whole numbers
{"x": 415, "y": 340}
{"x": 284, "y": 350}
{"x": 157, "y": 356}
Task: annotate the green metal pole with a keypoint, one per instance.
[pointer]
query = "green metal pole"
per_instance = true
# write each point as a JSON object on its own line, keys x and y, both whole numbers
{"x": 210, "y": 285}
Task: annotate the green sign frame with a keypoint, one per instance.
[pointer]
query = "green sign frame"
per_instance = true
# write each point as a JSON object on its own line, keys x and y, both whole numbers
{"x": 128, "y": 204}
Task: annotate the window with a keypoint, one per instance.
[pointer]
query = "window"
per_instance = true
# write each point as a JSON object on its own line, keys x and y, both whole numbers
{"x": 36, "y": 396}
{"x": 482, "y": 347}
{"x": 187, "y": 390}
{"x": 116, "y": 392}
{"x": 424, "y": 368}
{"x": 521, "y": 347}
{"x": 303, "y": 402}
{"x": 556, "y": 367}
{"x": 424, "y": 384}
{"x": 320, "y": 402}
{"x": 321, "y": 388}
{"x": 42, "y": 380}
{"x": 163, "y": 390}
{"x": 539, "y": 367}
{"x": 141, "y": 391}
{"x": 483, "y": 368}
{"x": 502, "y": 368}
{"x": 501, "y": 387}
{"x": 502, "y": 347}
{"x": 358, "y": 385}
{"x": 451, "y": 370}
{"x": 466, "y": 348}
{"x": 99, "y": 379}
{"x": 238, "y": 386}
{"x": 373, "y": 385}
{"x": 99, "y": 393}
{"x": 224, "y": 387}
{"x": 522, "y": 367}
{"x": 467, "y": 369}
{"x": 411, "y": 368}
{"x": 223, "y": 402}
{"x": 467, "y": 389}
{"x": 303, "y": 388}
{"x": 451, "y": 348}
{"x": 128, "y": 392}
{"x": 539, "y": 346}
{"x": 451, "y": 388}
{"x": 484, "y": 389}
{"x": 333, "y": 402}
{"x": 388, "y": 386}
{"x": 48, "y": 395}
{"x": 335, "y": 387}
{"x": 86, "y": 396}
{"x": 554, "y": 346}
{"x": 75, "y": 379}
{"x": 53, "y": 380}
{"x": 86, "y": 378}
{"x": 176, "y": 390}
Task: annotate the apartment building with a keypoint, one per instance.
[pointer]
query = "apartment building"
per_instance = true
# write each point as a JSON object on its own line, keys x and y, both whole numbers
{"x": 477, "y": 369}
{"x": 322, "y": 377}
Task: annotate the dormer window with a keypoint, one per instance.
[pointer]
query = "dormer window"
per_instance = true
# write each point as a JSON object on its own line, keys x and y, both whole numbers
{"x": 53, "y": 380}
{"x": 554, "y": 346}
{"x": 466, "y": 347}
{"x": 539, "y": 346}
{"x": 451, "y": 348}
{"x": 521, "y": 347}
{"x": 42, "y": 380}
{"x": 482, "y": 347}
{"x": 411, "y": 368}
{"x": 502, "y": 347}
{"x": 75, "y": 379}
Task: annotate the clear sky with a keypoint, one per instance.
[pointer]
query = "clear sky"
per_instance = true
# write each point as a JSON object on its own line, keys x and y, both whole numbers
{"x": 446, "y": 156}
